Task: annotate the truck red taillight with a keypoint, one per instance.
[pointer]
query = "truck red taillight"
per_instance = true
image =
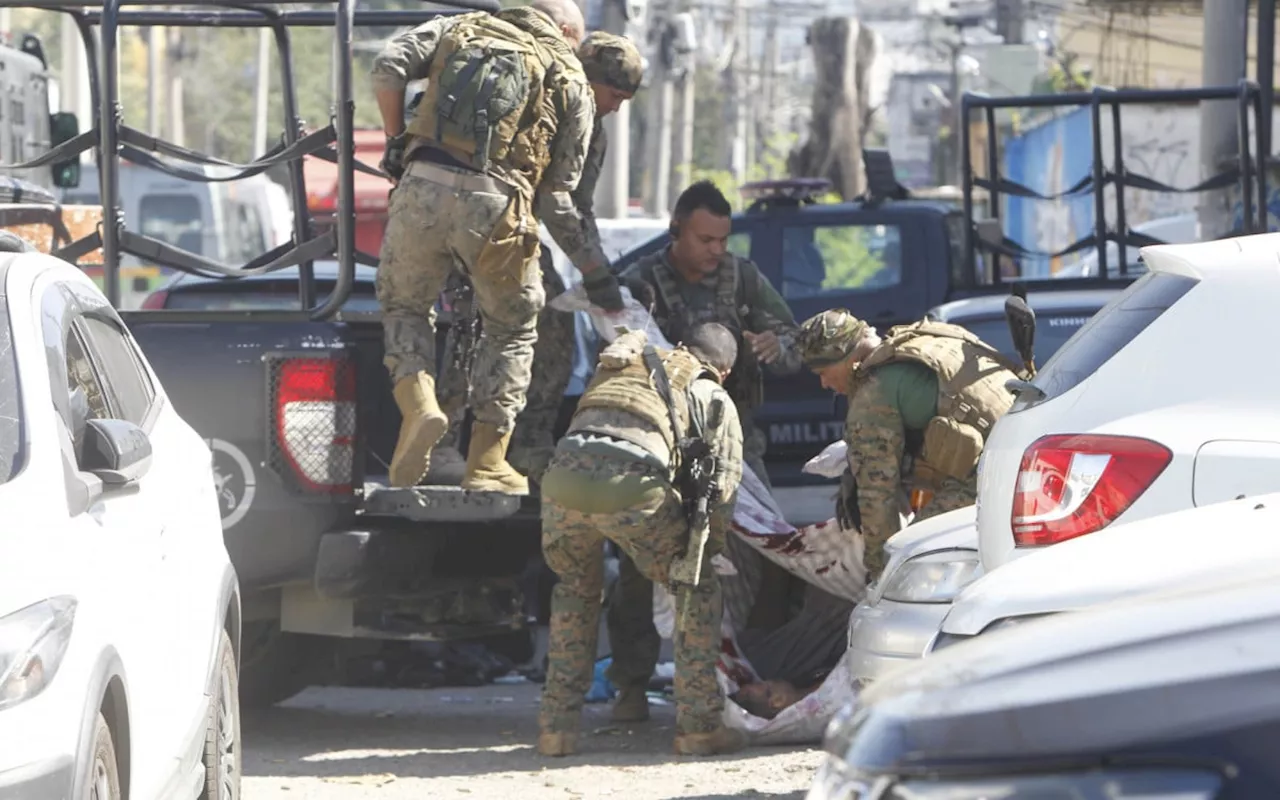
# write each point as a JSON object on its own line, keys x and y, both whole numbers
{"x": 1070, "y": 485}
{"x": 315, "y": 421}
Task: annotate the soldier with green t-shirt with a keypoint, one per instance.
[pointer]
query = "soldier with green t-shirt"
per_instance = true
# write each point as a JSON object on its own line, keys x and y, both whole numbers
{"x": 928, "y": 394}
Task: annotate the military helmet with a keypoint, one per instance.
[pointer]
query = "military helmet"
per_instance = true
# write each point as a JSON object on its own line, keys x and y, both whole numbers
{"x": 829, "y": 338}
{"x": 612, "y": 60}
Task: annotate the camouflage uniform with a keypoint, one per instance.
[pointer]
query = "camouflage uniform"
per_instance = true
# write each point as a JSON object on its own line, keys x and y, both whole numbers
{"x": 737, "y": 296}
{"x": 444, "y": 218}
{"x": 921, "y": 405}
{"x": 601, "y": 486}
{"x": 613, "y": 61}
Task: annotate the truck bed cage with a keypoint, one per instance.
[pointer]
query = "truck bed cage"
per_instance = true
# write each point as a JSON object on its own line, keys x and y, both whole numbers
{"x": 112, "y": 140}
{"x": 1250, "y": 176}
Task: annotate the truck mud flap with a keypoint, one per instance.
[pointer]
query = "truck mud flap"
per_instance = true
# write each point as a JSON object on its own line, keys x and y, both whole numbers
{"x": 443, "y": 504}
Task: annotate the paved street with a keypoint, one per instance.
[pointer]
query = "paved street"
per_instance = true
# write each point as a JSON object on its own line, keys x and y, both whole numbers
{"x": 352, "y": 744}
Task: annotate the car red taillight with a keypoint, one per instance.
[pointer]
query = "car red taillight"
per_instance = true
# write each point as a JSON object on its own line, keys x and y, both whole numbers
{"x": 1070, "y": 485}
{"x": 155, "y": 300}
{"x": 315, "y": 421}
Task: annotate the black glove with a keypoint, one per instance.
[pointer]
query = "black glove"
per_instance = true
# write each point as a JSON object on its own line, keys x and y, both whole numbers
{"x": 642, "y": 291}
{"x": 393, "y": 158}
{"x": 847, "y": 513}
{"x": 602, "y": 289}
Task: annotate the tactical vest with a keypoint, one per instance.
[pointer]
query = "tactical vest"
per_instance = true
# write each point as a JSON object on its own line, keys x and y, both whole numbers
{"x": 971, "y": 393}
{"x": 629, "y": 387}
{"x": 491, "y": 97}
{"x": 745, "y": 384}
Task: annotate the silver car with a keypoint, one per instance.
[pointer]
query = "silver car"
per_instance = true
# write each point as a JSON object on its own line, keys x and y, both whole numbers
{"x": 929, "y": 563}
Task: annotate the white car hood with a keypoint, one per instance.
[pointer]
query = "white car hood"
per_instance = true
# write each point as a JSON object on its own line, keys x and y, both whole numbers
{"x": 1231, "y": 539}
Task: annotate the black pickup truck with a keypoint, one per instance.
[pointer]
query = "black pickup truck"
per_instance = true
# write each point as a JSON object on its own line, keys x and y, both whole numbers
{"x": 302, "y": 424}
{"x": 279, "y": 365}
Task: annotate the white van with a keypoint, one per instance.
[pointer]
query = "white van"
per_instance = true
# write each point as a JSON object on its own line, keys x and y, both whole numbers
{"x": 232, "y": 222}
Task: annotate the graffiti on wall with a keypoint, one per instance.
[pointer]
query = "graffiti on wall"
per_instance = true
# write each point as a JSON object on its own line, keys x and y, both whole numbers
{"x": 1161, "y": 143}
{"x": 1157, "y": 142}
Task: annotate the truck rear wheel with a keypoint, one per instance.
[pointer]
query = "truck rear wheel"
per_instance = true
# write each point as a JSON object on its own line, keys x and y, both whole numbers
{"x": 276, "y": 665}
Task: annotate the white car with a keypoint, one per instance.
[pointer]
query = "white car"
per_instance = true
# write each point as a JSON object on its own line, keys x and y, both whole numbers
{"x": 929, "y": 562}
{"x": 1236, "y": 538}
{"x": 119, "y": 607}
{"x": 1151, "y": 407}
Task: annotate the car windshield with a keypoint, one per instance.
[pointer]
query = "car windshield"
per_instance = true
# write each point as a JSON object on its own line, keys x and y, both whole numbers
{"x": 1052, "y": 331}
{"x": 11, "y": 449}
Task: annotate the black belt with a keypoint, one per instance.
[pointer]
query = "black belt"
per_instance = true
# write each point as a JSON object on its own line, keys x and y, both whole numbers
{"x": 433, "y": 156}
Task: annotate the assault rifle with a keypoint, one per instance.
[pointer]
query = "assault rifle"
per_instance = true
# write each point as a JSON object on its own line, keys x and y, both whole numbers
{"x": 694, "y": 475}
{"x": 464, "y": 335}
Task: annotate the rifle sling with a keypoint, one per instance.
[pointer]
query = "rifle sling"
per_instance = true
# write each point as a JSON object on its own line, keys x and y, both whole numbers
{"x": 663, "y": 385}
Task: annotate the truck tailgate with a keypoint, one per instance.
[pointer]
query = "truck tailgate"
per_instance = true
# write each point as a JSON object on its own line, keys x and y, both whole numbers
{"x": 301, "y": 421}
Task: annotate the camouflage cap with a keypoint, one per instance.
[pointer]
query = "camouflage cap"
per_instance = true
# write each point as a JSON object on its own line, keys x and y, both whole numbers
{"x": 612, "y": 60}
{"x": 829, "y": 338}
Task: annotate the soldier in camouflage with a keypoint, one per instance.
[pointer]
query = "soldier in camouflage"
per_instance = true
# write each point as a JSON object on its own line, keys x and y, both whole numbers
{"x": 614, "y": 68}
{"x": 611, "y": 479}
{"x": 922, "y": 402}
{"x": 695, "y": 279}
{"x": 468, "y": 198}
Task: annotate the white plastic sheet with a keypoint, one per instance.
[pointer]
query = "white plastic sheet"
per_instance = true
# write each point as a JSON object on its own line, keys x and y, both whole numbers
{"x": 801, "y": 723}
{"x": 823, "y": 555}
{"x": 832, "y": 462}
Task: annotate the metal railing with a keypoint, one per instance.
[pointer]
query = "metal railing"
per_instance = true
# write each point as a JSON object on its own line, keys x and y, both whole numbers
{"x": 1245, "y": 172}
{"x": 112, "y": 139}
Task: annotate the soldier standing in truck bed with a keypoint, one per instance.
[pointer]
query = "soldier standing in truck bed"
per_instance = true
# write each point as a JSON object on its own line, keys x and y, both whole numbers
{"x": 614, "y": 68}
{"x": 505, "y": 123}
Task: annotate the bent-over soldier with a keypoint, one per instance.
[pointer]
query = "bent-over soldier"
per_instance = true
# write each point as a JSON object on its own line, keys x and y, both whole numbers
{"x": 929, "y": 393}
{"x": 612, "y": 477}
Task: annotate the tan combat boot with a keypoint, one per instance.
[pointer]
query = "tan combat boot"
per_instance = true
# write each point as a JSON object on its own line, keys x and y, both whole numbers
{"x": 487, "y": 467}
{"x": 557, "y": 744}
{"x": 632, "y": 705}
{"x": 718, "y": 742}
{"x": 422, "y": 426}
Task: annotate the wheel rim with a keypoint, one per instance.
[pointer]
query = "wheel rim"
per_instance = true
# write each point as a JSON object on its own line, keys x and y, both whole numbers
{"x": 228, "y": 756}
{"x": 101, "y": 780}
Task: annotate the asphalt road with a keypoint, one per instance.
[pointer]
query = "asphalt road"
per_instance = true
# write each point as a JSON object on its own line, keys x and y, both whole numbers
{"x": 357, "y": 744}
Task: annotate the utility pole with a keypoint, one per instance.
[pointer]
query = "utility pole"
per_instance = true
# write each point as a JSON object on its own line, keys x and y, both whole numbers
{"x": 157, "y": 59}
{"x": 177, "y": 126}
{"x": 768, "y": 108}
{"x": 1265, "y": 78}
{"x": 658, "y": 128}
{"x": 1226, "y": 26}
{"x": 613, "y": 192}
{"x": 958, "y": 122}
{"x": 682, "y": 156}
{"x": 1010, "y": 20}
{"x": 262, "y": 92}
{"x": 733, "y": 150}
